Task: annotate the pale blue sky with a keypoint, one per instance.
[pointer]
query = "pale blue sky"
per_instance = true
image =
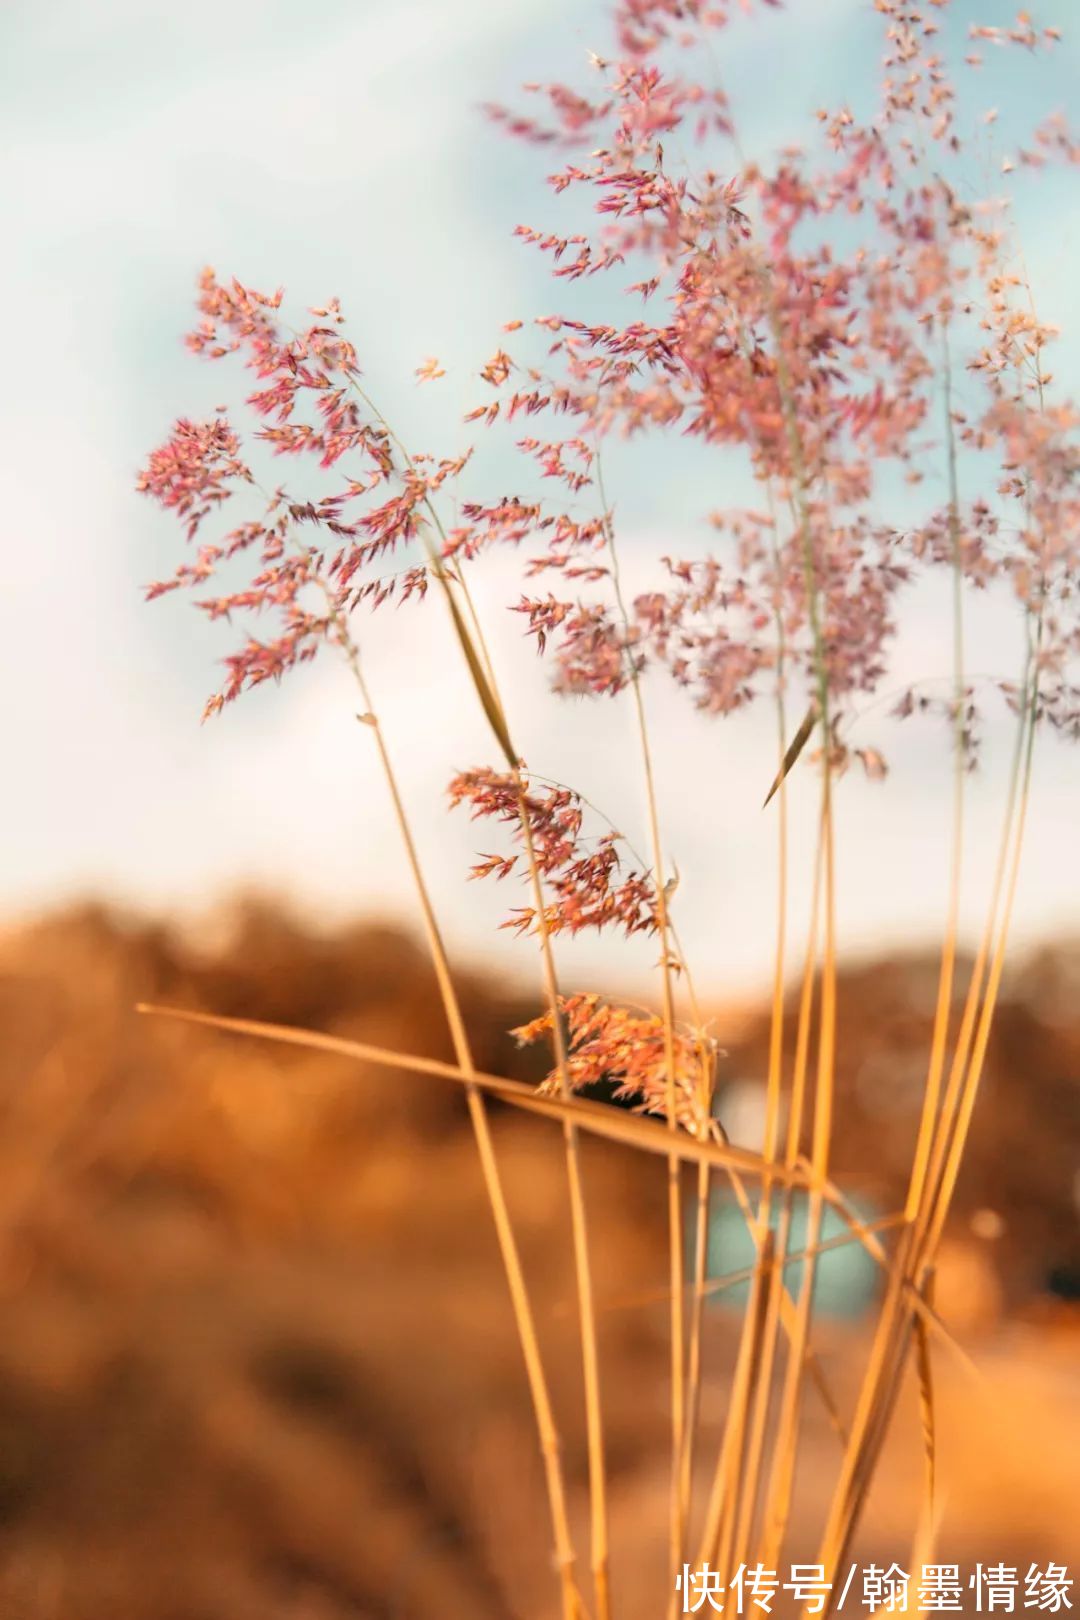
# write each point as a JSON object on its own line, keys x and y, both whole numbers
{"x": 340, "y": 149}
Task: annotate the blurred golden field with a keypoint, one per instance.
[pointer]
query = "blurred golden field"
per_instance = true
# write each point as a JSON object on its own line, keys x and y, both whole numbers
{"x": 257, "y": 1359}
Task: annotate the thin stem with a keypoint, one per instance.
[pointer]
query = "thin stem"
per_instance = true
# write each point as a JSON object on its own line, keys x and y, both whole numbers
{"x": 773, "y": 1096}
{"x": 722, "y": 1504}
{"x": 582, "y": 1265}
{"x": 518, "y": 1289}
{"x": 888, "y": 1356}
{"x": 523, "y": 1315}
{"x": 932, "y": 1092}
{"x": 717, "y": 1514}
{"x": 679, "y": 1479}
{"x": 786, "y": 1447}
{"x": 480, "y": 668}
{"x": 957, "y": 1109}
{"x": 967, "y": 1103}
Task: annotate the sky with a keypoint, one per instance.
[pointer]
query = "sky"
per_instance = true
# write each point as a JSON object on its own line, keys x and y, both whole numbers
{"x": 342, "y": 150}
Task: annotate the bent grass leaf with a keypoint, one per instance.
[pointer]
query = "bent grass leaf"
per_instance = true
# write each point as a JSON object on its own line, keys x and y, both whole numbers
{"x": 601, "y": 1120}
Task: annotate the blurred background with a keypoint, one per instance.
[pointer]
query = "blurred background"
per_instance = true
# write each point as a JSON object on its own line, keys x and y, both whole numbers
{"x": 255, "y": 1356}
